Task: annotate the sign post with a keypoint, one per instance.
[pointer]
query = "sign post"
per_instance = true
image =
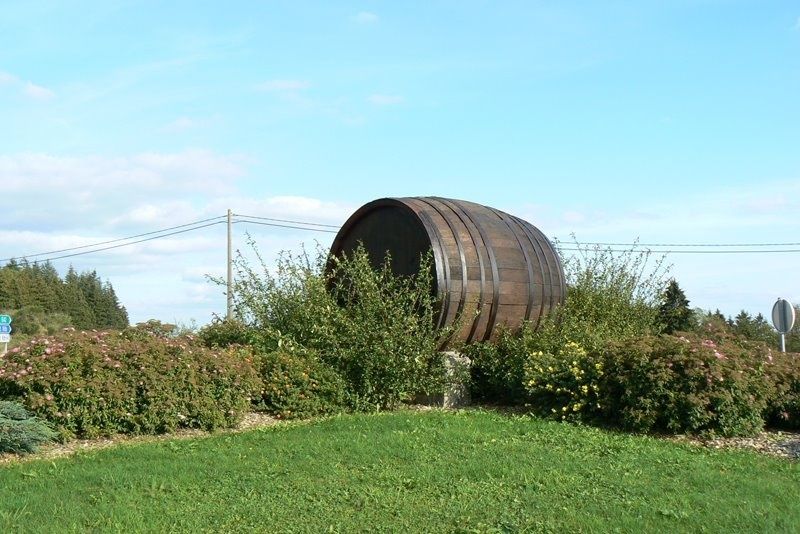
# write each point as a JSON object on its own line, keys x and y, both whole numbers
{"x": 5, "y": 331}
{"x": 783, "y": 319}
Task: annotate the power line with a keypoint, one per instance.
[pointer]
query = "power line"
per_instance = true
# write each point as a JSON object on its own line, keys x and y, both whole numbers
{"x": 115, "y": 240}
{"x": 655, "y": 251}
{"x": 288, "y": 226}
{"x": 321, "y": 227}
{"x": 194, "y": 226}
{"x": 288, "y": 221}
{"x": 689, "y": 244}
{"x": 127, "y": 244}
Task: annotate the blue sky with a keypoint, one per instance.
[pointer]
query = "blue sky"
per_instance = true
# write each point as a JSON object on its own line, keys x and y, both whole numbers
{"x": 672, "y": 122}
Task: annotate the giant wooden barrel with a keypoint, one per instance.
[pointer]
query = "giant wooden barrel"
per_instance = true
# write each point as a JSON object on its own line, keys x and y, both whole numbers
{"x": 490, "y": 268}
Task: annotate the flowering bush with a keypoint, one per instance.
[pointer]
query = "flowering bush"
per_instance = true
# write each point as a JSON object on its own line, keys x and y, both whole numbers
{"x": 221, "y": 333}
{"x": 297, "y": 384}
{"x": 684, "y": 384}
{"x": 564, "y": 386}
{"x": 98, "y": 383}
{"x": 612, "y": 296}
{"x": 665, "y": 383}
{"x": 783, "y": 374}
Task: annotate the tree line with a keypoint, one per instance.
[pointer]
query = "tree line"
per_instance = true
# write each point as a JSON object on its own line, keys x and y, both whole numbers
{"x": 41, "y": 302}
{"x": 675, "y": 315}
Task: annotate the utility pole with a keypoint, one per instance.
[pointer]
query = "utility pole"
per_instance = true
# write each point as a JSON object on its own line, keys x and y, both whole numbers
{"x": 229, "y": 315}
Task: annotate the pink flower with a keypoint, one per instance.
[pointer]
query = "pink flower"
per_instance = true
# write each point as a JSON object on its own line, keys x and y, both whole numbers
{"x": 708, "y": 343}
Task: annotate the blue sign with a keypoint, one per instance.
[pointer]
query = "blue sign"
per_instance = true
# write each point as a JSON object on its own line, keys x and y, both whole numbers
{"x": 5, "y": 328}
{"x": 5, "y": 319}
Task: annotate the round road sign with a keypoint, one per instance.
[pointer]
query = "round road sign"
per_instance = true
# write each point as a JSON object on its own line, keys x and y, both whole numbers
{"x": 783, "y": 316}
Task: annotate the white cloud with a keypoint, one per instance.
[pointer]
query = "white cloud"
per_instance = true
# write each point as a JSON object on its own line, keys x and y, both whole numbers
{"x": 283, "y": 85}
{"x": 76, "y": 193}
{"x": 766, "y": 213}
{"x": 7, "y": 79}
{"x": 296, "y": 208}
{"x": 385, "y": 100}
{"x": 726, "y": 211}
{"x": 29, "y": 89}
{"x": 94, "y": 175}
{"x": 365, "y": 17}
{"x": 38, "y": 92}
{"x": 572, "y": 216}
{"x": 182, "y": 124}
{"x": 64, "y": 202}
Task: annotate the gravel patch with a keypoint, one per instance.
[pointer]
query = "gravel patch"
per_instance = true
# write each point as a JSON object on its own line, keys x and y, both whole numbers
{"x": 778, "y": 443}
{"x": 59, "y": 450}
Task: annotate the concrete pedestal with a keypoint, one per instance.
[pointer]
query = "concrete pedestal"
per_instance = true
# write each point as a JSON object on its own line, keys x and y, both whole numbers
{"x": 456, "y": 388}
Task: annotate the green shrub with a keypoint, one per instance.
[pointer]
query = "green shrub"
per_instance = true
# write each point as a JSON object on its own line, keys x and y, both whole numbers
{"x": 611, "y": 296}
{"x": 374, "y": 329}
{"x": 783, "y": 374}
{"x": 566, "y": 386}
{"x": 665, "y": 383}
{"x": 19, "y": 431}
{"x": 98, "y": 383}
{"x": 152, "y": 327}
{"x": 223, "y": 333}
{"x": 497, "y": 369}
{"x": 34, "y": 321}
{"x": 298, "y": 385}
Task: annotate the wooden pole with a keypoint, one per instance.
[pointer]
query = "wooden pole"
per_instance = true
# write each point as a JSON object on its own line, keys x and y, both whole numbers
{"x": 229, "y": 315}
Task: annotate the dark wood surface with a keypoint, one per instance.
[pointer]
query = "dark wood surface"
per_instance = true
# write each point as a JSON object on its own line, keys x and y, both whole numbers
{"x": 490, "y": 268}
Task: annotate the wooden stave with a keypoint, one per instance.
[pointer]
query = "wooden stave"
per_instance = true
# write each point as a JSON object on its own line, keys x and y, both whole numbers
{"x": 530, "y": 264}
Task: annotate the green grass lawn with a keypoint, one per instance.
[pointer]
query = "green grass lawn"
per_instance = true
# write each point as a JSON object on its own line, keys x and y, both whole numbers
{"x": 406, "y": 471}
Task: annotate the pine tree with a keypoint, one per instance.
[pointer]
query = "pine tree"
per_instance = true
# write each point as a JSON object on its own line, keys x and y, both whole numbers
{"x": 743, "y": 325}
{"x": 114, "y": 315}
{"x": 42, "y": 302}
{"x": 74, "y": 303}
{"x": 674, "y": 313}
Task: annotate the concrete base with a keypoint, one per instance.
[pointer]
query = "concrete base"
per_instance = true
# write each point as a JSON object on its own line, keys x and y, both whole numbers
{"x": 456, "y": 388}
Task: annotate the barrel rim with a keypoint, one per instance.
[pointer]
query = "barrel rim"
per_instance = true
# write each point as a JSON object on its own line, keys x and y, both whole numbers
{"x": 397, "y": 202}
